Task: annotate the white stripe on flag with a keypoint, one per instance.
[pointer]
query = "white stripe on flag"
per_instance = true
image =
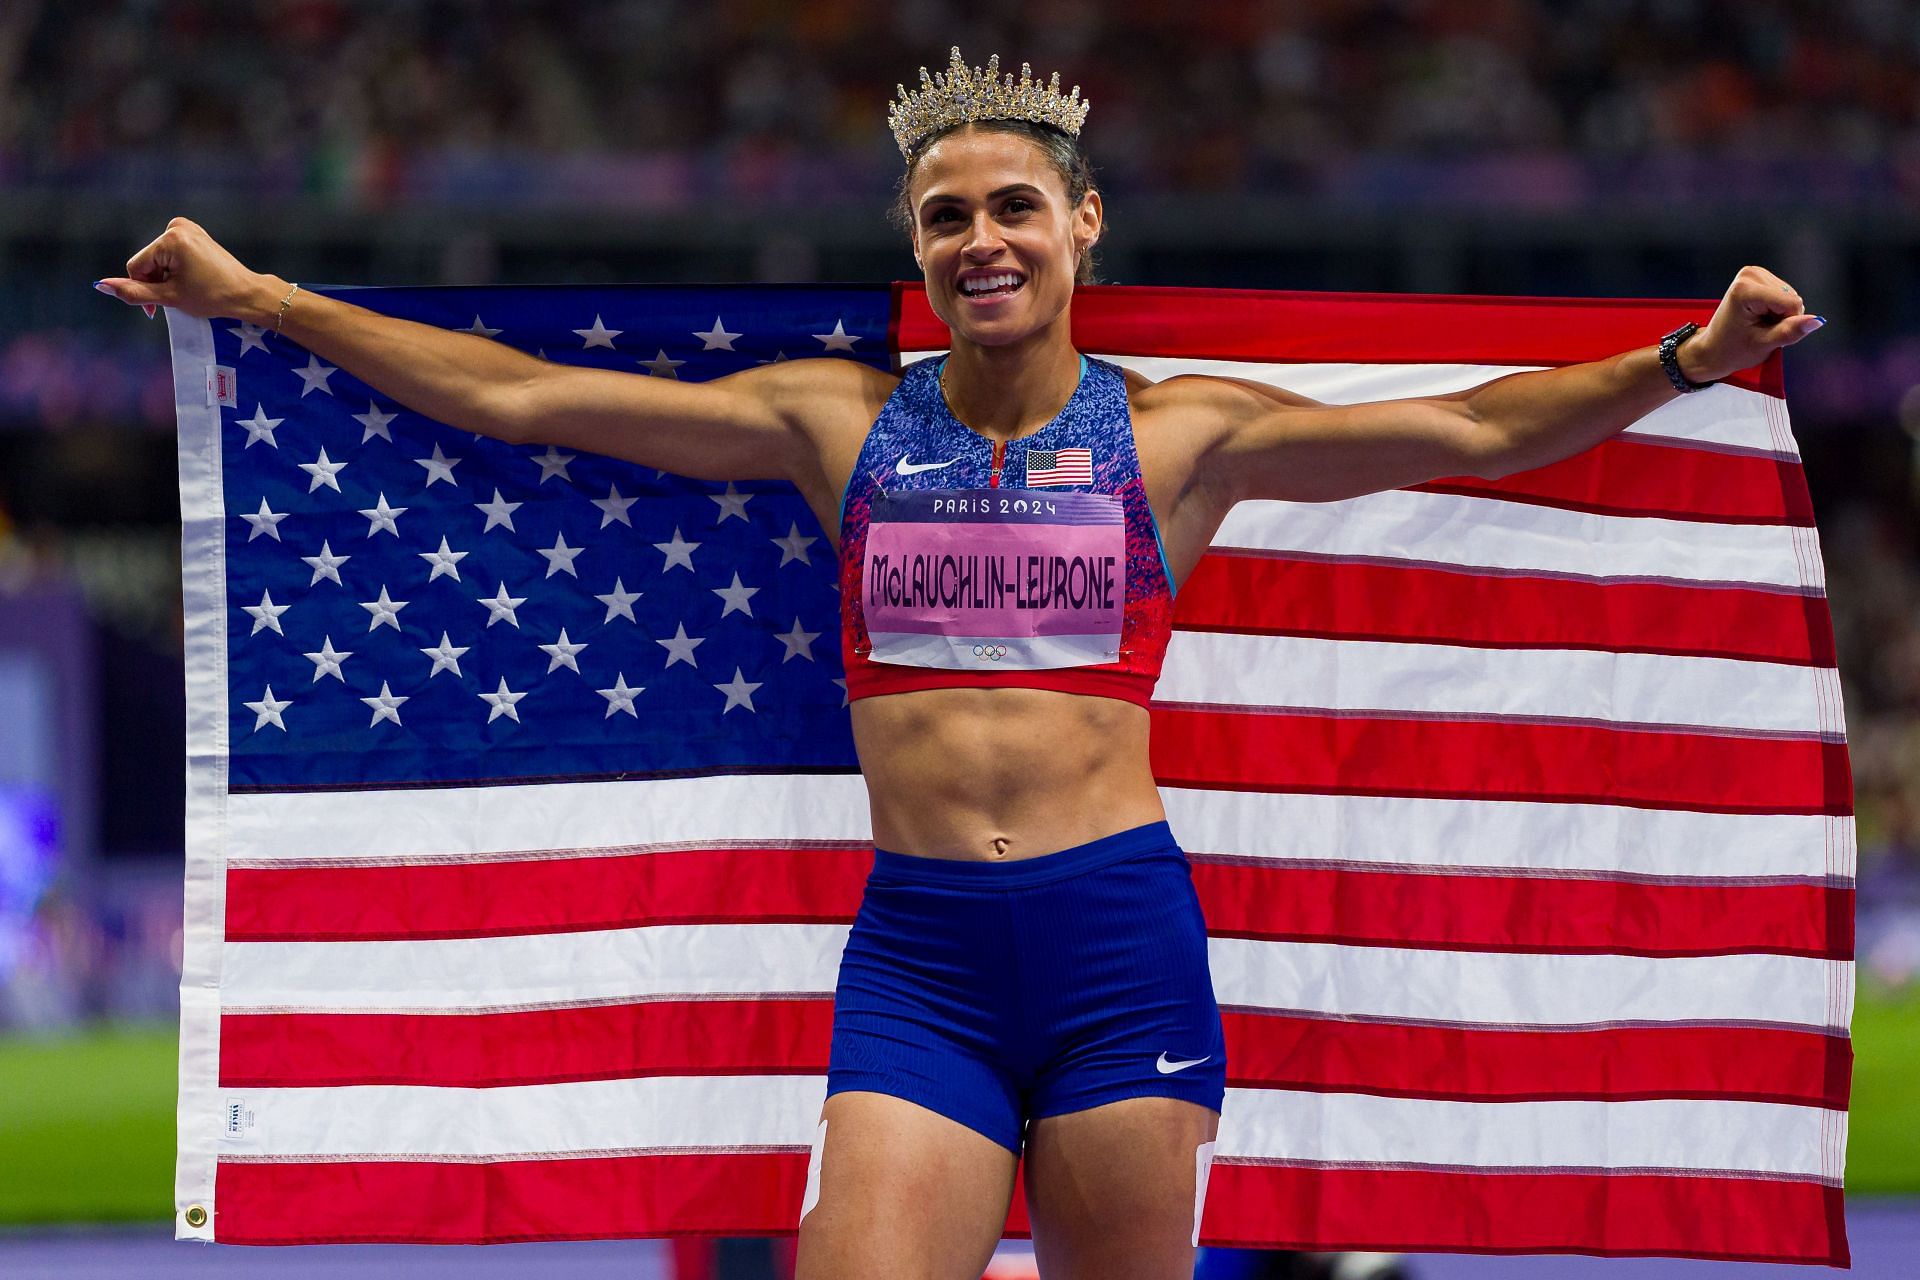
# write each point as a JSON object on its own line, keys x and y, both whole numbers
{"x": 1507, "y": 834}
{"x": 290, "y": 828}
{"x": 536, "y": 970}
{"x": 1493, "y": 988}
{"x": 1661, "y": 1133}
{"x": 661, "y": 1114}
{"x": 278, "y": 827}
{"x": 547, "y": 969}
{"x": 1462, "y": 681}
{"x": 1445, "y": 528}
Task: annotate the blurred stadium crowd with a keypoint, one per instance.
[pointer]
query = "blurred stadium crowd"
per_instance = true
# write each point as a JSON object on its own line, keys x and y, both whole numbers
{"x": 653, "y": 103}
{"x": 1647, "y": 115}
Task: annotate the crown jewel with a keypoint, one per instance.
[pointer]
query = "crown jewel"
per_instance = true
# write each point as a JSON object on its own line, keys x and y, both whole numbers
{"x": 960, "y": 95}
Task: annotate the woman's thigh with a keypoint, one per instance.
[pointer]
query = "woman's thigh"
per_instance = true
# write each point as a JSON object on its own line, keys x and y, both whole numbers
{"x": 904, "y": 1194}
{"x": 1113, "y": 1191}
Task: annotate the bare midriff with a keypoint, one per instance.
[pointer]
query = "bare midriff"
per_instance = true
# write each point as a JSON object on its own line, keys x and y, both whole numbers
{"x": 995, "y": 775}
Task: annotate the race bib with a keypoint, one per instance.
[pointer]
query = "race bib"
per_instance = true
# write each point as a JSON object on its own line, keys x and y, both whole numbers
{"x": 995, "y": 579}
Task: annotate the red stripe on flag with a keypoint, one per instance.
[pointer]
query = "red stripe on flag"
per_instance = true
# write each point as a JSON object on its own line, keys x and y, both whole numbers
{"x": 773, "y": 1035}
{"x": 1363, "y": 328}
{"x": 452, "y": 1202}
{"x": 1504, "y": 1064}
{"x": 763, "y": 885}
{"x": 1243, "y": 898}
{"x": 1496, "y": 760}
{"x": 758, "y": 1194}
{"x": 1624, "y": 477}
{"x": 1451, "y": 1211}
{"x": 1264, "y": 1050}
{"x": 1566, "y": 914}
{"x": 1268, "y": 594}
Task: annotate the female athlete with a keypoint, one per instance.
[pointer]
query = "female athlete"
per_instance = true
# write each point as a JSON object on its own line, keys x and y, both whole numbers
{"x": 1028, "y": 969}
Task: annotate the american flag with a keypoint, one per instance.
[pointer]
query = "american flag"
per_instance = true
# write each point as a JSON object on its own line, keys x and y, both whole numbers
{"x": 525, "y": 827}
{"x": 1059, "y": 466}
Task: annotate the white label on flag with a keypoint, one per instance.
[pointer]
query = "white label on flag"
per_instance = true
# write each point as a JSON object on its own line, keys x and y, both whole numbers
{"x": 239, "y": 1121}
{"x": 222, "y": 386}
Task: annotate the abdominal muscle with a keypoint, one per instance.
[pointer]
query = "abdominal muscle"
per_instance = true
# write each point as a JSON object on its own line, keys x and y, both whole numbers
{"x": 1001, "y": 774}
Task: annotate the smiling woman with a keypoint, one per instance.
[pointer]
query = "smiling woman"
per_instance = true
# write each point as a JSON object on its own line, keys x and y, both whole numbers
{"x": 1028, "y": 971}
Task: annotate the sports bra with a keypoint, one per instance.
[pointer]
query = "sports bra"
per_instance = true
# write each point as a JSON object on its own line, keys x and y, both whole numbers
{"x": 1034, "y": 563}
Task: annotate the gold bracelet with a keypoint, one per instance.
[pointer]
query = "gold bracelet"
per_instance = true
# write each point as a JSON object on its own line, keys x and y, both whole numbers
{"x": 284, "y": 304}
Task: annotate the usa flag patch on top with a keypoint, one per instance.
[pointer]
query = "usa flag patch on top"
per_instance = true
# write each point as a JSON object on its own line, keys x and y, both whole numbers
{"x": 1059, "y": 466}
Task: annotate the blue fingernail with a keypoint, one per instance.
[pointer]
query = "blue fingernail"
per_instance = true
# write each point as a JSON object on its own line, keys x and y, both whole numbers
{"x": 1822, "y": 320}
{"x": 105, "y": 288}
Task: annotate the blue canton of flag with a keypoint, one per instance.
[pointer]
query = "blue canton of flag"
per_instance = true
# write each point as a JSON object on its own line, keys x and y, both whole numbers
{"x": 413, "y": 603}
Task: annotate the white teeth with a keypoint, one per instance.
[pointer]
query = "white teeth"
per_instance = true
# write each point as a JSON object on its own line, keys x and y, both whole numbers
{"x": 983, "y": 284}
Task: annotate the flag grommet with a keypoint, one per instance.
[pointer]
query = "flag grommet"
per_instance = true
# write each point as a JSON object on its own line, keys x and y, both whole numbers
{"x": 196, "y": 1215}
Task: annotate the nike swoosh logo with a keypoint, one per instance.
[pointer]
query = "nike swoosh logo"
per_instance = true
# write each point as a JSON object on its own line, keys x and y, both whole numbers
{"x": 1167, "y": 1066}
{"x": 905, "y": 468}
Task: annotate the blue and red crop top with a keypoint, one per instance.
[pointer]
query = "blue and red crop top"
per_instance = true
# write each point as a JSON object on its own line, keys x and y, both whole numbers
{"x": 1035, "y": 562}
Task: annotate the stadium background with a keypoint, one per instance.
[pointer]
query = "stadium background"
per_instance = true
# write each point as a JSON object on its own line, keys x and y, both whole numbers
{"x": 1581, "y": 148}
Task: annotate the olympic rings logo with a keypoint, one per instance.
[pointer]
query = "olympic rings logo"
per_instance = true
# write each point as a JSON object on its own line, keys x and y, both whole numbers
{"x": 991, "y": 652}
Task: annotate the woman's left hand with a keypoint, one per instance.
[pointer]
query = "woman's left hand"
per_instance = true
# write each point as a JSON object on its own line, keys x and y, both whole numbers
{"x": 1760, "y": 314}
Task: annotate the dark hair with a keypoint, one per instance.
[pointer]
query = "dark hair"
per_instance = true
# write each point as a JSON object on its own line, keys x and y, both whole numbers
{"x": 1060, "y": 149}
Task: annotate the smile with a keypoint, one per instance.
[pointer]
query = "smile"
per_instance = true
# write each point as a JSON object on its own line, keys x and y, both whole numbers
{"x": 999, "y": 285}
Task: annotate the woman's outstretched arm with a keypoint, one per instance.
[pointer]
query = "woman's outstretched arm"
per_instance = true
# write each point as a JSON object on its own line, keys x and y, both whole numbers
{"x": 1262, "y": 444}
{"x": 747, "y": 425}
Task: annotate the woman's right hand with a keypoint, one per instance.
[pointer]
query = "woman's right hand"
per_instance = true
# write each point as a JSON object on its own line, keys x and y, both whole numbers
{"x": 185, "y": 267}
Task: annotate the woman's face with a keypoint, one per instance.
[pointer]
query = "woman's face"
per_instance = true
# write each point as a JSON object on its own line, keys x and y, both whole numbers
{"x": 987, "y": 205}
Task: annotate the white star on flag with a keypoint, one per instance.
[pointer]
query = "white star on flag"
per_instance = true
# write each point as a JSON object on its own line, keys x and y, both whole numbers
{"x": 732, "y": 503}
{"x": 381, "y": 516}
{"x": 560, "y": 556}
{"x": 385, "y": 611}
{"x": 375, "y": 423}
{"x": 250, "y": 335}
{"x": 679, "y": 551}
{"x": 619, "y": 602}
{"x": 736, "y": 597}
{"x": 444, "y": 560}
{"x": 553, "y": 463}
{"x": 599, "y": 335}
{"x": 327, "y": 659}
{"x": 799, "y": 643}
{"x": 259, "y": 427}
{"x": 323, "y": 472}
{"x": 839, "y": 339}
{"x": 661, "y": 366}
{"x": 614, "y": 507}
{"x": 620, "y": 696}
{"x": 446, "y": 655}
{"x": 266, "y": 521}
{"x": 794, "y": 545}
{"x": 326, "y": 564}
{"x": 499, "y": 511}
{"x": 267, "y": 710}
{"x": 716, "y": 338}
{"x": 502, "y": 605}
{"x": 385, "y": 704}
{"x": 502, "y": 701}
{"x": 479, "y": 328}
{"x": 681, "y": 647}
{"x": 439, "y": 467}
{"x": 315, "y": 376}
{"x": 266, "y": 614}
{"x": 739, "y": 692}
{"x": 562, "y": 652}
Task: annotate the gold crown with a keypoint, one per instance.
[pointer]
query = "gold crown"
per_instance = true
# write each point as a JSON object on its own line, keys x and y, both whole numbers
{"x": 961, "y": 95}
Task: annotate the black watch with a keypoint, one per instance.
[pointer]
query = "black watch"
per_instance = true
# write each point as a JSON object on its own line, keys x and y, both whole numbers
{"x": 1670, "y": 359}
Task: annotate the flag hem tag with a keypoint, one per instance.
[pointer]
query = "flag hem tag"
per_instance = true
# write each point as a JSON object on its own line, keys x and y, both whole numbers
{"x": 222, "y": 386}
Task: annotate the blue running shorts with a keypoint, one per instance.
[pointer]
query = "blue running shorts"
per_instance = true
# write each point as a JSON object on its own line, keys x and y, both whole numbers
{"x": 1001, "y": 992}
